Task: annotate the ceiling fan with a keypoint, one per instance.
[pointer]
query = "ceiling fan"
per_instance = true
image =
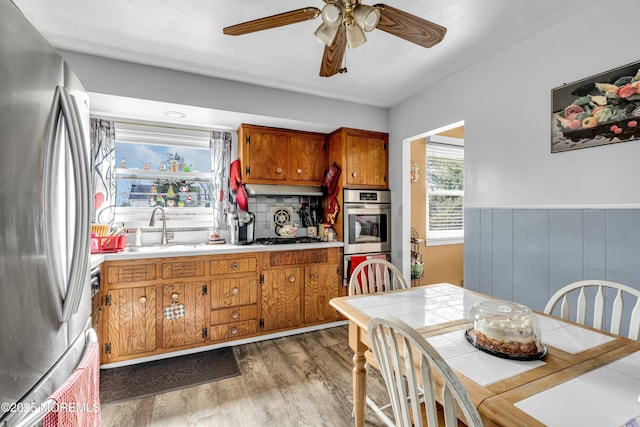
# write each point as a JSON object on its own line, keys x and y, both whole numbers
{"x": 344, "y": 23}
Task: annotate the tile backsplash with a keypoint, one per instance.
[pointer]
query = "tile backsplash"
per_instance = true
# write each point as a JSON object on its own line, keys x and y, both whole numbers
{"x": 261, "y": 206}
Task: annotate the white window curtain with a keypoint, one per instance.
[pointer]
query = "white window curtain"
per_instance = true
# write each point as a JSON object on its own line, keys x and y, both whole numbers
{"x": 220, "y": 148}
{"x": 445, "y": 191}
{"x": 103, "y": 171}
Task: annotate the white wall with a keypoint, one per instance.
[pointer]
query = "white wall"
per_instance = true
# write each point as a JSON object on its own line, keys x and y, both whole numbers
{"x": 505, "y": 102}
{"x": 112, "y": 77}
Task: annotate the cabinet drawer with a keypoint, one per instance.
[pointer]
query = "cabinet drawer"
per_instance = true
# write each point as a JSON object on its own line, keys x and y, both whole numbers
{"x": 234, "y": 265}
{"x": 232, "y": 291}
{"x": 298, "y": 257}
{"x": 131, "y": 273}
{"x": 235, "y": 314}
{"x": 233, "y": 330}
{"x": 176, "y": 270}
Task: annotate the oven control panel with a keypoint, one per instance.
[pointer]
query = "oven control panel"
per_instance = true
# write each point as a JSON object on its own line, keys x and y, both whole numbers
{"x": 367, "y": 196}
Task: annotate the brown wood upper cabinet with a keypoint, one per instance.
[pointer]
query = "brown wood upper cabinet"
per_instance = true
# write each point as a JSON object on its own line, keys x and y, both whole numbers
{"x": 281, "y": 156}
{"x": 363, "y": 157}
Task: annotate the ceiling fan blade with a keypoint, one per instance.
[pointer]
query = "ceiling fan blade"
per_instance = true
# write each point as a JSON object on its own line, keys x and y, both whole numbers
{"x": 409, "y": 27}
{"x": 333, "y": 54}
{"x": 279, "y": 20}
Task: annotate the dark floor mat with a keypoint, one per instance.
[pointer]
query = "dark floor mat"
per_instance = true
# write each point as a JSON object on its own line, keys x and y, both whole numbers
{"x": 161, "y": 376}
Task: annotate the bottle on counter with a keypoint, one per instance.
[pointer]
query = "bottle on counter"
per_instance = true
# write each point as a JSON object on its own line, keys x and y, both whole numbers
{"x": 325, "y": 232}
{"x": 138, "y": 239}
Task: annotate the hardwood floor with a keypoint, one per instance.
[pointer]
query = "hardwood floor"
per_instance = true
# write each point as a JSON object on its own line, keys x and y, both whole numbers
{"x": 301, "y": 380}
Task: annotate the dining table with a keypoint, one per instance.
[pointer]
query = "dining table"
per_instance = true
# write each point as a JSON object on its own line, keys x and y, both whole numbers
{"x": 588, "y": 377}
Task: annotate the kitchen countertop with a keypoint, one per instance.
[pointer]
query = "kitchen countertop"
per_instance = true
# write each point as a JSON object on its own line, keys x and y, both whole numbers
{"x": 194, "y": 249}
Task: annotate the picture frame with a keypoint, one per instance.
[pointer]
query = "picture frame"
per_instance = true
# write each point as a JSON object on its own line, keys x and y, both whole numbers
{"x": 598, "y": 110}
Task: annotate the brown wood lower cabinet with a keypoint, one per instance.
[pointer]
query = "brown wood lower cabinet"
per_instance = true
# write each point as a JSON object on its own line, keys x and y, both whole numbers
{"x": 281, "y": 297}
{"x": 298, "y": 286}
{"x": 234, "y": 297}
{"x": 160, "y": 305}
{"x": 234, "y": 322}
{"x": 321, "y": 283}
{"x": 130, "y": 316}
{"x": 185, "y": 313}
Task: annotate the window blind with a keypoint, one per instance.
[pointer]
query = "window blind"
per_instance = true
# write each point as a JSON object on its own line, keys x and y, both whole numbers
{"x": 445, "y": 191}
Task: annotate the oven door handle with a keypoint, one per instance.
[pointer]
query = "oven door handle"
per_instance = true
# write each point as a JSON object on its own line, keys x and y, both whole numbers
{"x": 374, "y": 207}
{"x": 366, "y": 210}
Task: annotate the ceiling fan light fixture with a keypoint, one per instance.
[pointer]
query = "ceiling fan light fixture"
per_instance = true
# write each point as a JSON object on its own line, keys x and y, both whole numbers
{"x": 326, "y": 34}
{"x": 355, "y": 35}
{"x": 332, "y": 14}
{"x": 367, "y": 17}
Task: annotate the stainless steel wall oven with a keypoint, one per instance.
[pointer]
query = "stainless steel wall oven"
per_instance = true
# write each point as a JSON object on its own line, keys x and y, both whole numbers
{"x": 366, "y": 227}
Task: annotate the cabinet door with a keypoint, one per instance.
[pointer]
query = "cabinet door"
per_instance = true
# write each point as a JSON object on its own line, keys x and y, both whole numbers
{"x": 307, "y": 159}
{"x": 265, "y": 157}
{"x": 130, "y": 322}
{"x": 185, "y": 313}
{"x": 366, "y": 161}
{"x": 281, "y": 293}
{"x": 320, "y": 286}
{"x": 96, "y": 317}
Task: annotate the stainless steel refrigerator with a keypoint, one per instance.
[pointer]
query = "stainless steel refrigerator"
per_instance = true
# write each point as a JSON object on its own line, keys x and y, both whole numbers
{"x": 45, "y": 209}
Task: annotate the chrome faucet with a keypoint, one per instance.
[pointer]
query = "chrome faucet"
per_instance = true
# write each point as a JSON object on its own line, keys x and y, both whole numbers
{"x": 152, "y": 222}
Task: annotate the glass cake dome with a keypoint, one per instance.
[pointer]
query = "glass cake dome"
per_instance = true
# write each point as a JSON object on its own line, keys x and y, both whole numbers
{"x": 505, "y": 329}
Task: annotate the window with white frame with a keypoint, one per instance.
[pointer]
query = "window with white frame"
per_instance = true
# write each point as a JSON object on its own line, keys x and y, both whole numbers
{"x": 162, "y": 166}
{"x": 445, "y": 190}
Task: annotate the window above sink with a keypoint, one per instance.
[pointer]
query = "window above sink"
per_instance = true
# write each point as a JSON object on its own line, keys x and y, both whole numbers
{"x": 163, "y": 166}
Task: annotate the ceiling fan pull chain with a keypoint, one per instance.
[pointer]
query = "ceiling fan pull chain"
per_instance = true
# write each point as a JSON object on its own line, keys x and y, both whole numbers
{"x": 343, "y": 70}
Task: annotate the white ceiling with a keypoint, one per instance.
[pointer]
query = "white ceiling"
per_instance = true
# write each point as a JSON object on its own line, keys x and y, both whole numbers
{"x": 186, "y": 35}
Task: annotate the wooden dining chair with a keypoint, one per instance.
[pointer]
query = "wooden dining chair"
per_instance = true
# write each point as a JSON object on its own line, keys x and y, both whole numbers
{"x": 376, "y": 275}
{"x": 372, "y": 276}
{"x": 408, "y": 363}
{"x": 585, "y": 293}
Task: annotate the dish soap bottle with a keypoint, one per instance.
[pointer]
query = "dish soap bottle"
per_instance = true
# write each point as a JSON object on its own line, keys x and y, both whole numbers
{"x": 138, "y": 236}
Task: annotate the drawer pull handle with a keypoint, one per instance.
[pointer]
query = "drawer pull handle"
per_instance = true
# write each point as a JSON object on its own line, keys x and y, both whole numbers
{"x": 235, "y": 315}
{"x": 313, "y": 276}
{"x": 234, "y": 266}
{"x": 235, "y": 291}
{"x": 234, "y": 331}
{"x": 354, "y": 174}
{"x": 298, "y": 171}
{"x": 292, "y": 278}
{"x": 278, "y": 170}
{"x": 143, "y": 300}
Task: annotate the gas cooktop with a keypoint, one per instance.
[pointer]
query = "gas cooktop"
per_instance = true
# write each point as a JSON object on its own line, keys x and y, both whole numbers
{"x": 286, "y": 240}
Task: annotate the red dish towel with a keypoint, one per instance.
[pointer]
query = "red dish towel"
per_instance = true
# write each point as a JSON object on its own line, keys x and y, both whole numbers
{"x": 355, "y": 262}
{"x": 331, "y": 181}
{"x": 235, "y": 175}
{"x": 364, "y": 275}
{"x": 78, "y": 399}
{"x": 235, "y": 182}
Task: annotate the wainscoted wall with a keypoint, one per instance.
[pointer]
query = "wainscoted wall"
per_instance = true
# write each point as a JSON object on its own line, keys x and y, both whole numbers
{"x": 526, "y": 255}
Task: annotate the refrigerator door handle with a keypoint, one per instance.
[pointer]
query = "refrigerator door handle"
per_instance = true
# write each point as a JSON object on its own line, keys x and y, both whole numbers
{"x": 80, "y": 266}
{"x": 64, "y": 107}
